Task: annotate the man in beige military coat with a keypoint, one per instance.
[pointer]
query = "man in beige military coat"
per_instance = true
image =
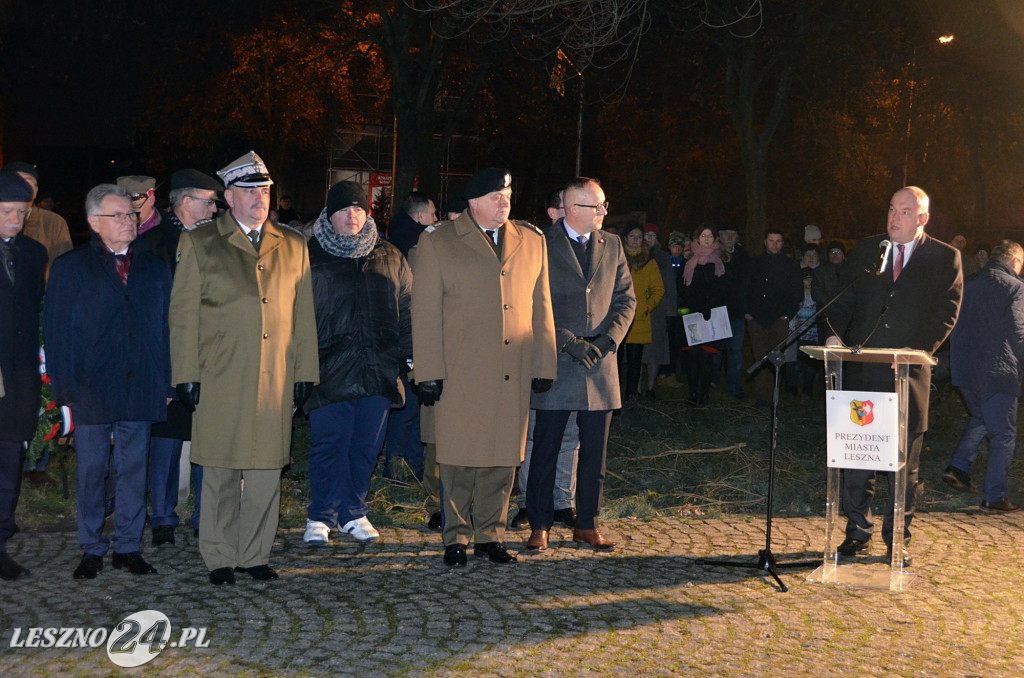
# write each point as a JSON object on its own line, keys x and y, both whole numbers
{"x": 483, "y": 334}
{"x": 243, "y": 329}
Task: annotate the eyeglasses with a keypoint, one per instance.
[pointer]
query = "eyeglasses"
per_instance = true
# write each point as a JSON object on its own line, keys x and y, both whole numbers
{"x": 599, "y": 206}
{"x": 135, "y": 197}
{"x": 130, "y": 217}
{"x": 208, "y": 201}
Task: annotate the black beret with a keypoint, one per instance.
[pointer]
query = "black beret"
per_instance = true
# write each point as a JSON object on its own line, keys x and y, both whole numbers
{"x": 18, "y": 166}
{"x": 486, "y": 181}
{"x": 455, "y": 204}
{"x": 191, "y": 178}
{"x": 14, "y": 188}
{"x": 346, "y": 194}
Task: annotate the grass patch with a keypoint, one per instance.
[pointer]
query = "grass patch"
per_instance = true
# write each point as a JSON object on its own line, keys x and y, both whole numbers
{"x": 664, "y": 459}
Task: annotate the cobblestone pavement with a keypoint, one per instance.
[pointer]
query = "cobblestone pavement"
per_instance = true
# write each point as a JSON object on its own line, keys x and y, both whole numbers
{"x": 650, "y": 608}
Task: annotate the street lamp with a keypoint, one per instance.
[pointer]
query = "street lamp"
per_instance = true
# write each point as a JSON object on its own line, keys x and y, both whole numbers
{"x": 558, "y": 82}
{"x": 942, "y": 40}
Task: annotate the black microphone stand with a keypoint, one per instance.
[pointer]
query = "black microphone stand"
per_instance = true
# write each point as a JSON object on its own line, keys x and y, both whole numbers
{"x": 776, "y": 356}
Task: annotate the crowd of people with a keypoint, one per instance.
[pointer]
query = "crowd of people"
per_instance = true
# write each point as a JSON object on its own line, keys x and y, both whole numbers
{"x": 478, "y": 349}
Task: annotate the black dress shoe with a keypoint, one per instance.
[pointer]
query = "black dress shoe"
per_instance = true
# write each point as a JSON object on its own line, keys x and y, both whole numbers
{"x": 222, "y": 575}
{"x": 10, "y": 570}
{"x": 89, "y": 567}
{"x": 521, "y": 520}
{"x": 566, "y": 516}
{"x": 851, "y": 546}
{"x": 163, "y": 534}
{"x": 494, "y": 550}
{"x": 435, "y": 521}
{"x": 908, "y": 559}
{"x": 455, "y": 555}
{"x": 133, "y": 562}
{"x": 259, "y": 572}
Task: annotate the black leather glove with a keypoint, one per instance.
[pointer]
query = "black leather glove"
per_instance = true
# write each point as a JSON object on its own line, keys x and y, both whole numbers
{"x": 542, "y": 385}
{"x": 604, "y": 344}
{"x": 301, "y": 393}
{"x": 429, "y": 392}
{"x": 583, "y": 352}
{"x": 188, "y": 394}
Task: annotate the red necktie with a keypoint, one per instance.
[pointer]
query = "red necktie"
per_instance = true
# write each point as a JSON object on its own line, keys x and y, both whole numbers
{"x": 124, "y": 263}
{"x": 897, "y": 266}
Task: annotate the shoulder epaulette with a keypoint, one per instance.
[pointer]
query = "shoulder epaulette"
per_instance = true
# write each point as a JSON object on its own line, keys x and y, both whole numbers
{"x": 528, "y": 225}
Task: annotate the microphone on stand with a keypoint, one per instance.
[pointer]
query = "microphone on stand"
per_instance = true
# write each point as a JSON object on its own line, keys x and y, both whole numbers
{"x": 885, "y": 247}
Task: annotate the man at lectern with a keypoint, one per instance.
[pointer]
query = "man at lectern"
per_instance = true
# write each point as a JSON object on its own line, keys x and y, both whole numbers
{"x": 912, "y": 303}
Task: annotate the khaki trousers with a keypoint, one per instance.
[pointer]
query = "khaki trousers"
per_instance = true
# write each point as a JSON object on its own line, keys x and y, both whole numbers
{"x": 238, "y": 523}
{"x": 475, "y": 503}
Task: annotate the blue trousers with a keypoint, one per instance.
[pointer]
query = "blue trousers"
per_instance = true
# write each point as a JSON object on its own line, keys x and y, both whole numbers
{"x": 11, "y": 454}
{"x": 403, "y": 439}
{"x": 993, "y": 415}
{"x": 164, "y": 471}
{"x": 130, "y": 452}
{"x": 347, "y": 438}
{"x": 590, "y": 472}
{"x": 565, "y": 468}
{"x": 197, "y": 489}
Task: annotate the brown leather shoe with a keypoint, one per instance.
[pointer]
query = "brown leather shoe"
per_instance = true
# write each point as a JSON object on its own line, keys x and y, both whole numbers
{"x": 538, "y": 541}
{"x": 593, "y": 538}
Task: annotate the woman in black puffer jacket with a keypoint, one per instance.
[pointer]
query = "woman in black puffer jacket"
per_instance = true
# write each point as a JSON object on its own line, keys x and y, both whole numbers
{"x": 361, "y": 289}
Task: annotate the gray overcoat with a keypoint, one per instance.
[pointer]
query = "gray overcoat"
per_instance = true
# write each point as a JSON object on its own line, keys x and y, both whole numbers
{"x": 602, "y": 302}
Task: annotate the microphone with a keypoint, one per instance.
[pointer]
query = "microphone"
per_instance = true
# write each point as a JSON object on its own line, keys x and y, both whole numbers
{"x": 885, "y": 247}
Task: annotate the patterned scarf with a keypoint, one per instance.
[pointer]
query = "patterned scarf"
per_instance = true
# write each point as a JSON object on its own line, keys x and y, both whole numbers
{"x": 637, "y": 258}
{"x": 703, "y": 254}
{"x": 345, "y": 246}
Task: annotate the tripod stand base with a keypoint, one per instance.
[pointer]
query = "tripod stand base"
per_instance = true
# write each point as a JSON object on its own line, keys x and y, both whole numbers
{"x": 765, "y": 562}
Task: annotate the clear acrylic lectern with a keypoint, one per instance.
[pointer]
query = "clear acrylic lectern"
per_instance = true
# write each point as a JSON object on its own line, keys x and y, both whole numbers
{"x": 867, "y": 574}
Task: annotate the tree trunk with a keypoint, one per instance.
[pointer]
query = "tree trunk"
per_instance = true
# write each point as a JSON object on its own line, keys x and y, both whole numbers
{"x": 747, "y": 74}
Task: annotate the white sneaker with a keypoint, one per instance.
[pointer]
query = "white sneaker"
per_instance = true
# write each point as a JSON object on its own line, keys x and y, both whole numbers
{"x": 316, "y": 532}
{"x": 361, "y": 529}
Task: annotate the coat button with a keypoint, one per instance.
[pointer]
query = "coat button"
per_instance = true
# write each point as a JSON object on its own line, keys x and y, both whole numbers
{"x": 266, "y": 336}
{"x": 506, "y": 342}
{"x": 259, "y": 267}
{"x": 588, "y": 290}
{"x": 265, "y": 300}
{"x": 506, "y": 377}
{"x": 504, "y": 272}
{"x": 590, "y": 315}
{"x": 505, "y": 306}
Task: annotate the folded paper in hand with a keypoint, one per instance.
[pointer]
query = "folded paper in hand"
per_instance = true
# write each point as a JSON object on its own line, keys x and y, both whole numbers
{"x": 700, "y": 331}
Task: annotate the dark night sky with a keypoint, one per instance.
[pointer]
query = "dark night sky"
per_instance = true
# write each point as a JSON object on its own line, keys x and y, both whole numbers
{"x": 77, "y": 77}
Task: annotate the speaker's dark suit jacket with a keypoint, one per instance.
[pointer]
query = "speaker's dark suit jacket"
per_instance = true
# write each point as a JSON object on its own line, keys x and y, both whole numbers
{"x": 916, "y": 311}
